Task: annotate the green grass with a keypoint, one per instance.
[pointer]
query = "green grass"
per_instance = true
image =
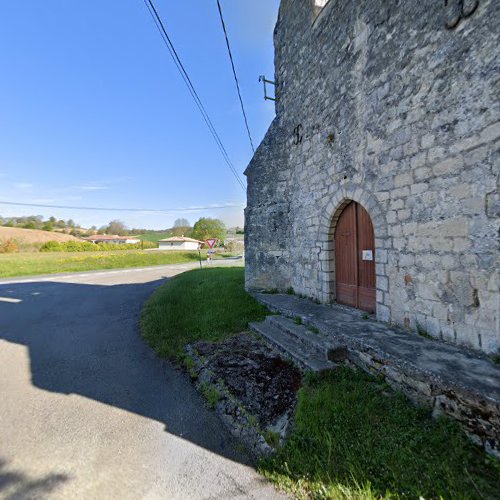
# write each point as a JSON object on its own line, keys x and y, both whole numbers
{"x": 154, "y": 237}
{"x": 352, "y": 440}
{"x": 211, "y": 394}
{"x": 24, "y": 264}
{"x": 210, "y": 304}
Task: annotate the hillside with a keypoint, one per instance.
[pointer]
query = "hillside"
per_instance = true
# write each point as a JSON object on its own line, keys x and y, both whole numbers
{"x": 154, "y": 237}
{"x": 32, "y": 236}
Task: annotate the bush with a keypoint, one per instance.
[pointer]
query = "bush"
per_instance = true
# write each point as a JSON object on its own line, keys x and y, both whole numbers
{"x": 9, "y": 246}
{"x": 86, "y": 246}
{"x": 51, "y": 246}
{"x": 234, "y": 246}
{"x": 68, "y": 246}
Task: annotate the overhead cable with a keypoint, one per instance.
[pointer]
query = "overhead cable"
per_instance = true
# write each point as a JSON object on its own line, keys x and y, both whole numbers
{"x": 187, "y": 80}
{"x": 234, "y": 74}
{"x": 114, "y": 209}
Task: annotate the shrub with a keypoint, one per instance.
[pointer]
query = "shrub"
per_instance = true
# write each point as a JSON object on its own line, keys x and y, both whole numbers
{"x": 9, "y": 246}
{"x": 68, "y": 246}
{"x": 87, "y": 246}
{"x": 51, "y": 246}
{"x": 234, "y": 246}
{"x": 211, "y": 394}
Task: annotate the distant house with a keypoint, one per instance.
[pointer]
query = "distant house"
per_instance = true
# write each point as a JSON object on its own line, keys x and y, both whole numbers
{"x": 112, "y": 238}
{"x": 179, "y": 243}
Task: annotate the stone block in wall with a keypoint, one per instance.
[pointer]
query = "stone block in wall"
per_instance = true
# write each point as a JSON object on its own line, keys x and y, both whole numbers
{"x": 478, "y": 416}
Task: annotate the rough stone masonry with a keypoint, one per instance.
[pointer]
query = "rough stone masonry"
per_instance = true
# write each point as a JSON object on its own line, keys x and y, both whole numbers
{"x": 395, "y": 105}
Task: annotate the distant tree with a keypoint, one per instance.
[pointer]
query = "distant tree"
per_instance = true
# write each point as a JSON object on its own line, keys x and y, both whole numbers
{"x": 29, "y": 225}
{"x": 102, "y": 230}
{"x": 182, "y": 223}
{"x": 52, "y": 220}
{"x": 61, "y": 224}
{"x": 70, "y": 223}
{"x": 206, "y": 228}
{"x": 9, "y": 223}
{"x": 48, "y": 226}
{"x": 181, "y": 228}
{"x": 1, "y": 221}
{"x": 117, "y": 227}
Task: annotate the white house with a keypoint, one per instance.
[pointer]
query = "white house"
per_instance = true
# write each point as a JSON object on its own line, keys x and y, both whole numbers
{"x": 179, "y": 243}
{"x": 112, "y": 238}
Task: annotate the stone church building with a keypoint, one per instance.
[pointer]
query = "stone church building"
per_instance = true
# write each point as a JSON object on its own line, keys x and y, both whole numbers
{"x": 376, "y": 185}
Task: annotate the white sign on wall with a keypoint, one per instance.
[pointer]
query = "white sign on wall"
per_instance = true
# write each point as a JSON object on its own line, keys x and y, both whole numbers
{"x": 367, "y": 255}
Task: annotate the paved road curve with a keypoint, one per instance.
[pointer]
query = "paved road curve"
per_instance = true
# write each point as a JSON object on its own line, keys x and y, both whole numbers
{"x": 88, "y": 411}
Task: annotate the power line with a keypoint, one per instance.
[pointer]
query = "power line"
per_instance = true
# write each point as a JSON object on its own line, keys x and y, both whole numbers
{"x": 234, "y": 74}
{"x": 185, "y": 76}
{"x": 114, "y": 209}
{"x": 189, "y": 84}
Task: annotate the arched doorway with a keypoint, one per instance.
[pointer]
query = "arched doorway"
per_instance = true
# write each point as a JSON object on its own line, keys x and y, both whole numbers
{"x": 355, "y": 258}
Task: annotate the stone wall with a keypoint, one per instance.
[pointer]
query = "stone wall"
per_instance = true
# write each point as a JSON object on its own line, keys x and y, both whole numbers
{"x": 380, "y": 102}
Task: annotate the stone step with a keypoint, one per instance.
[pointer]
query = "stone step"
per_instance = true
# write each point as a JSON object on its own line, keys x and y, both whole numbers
{"x": 299, "y": 331}
{"x": 331, "y": 349}
{"x": 451, "y": 380}
{"x": 306, "y": 357}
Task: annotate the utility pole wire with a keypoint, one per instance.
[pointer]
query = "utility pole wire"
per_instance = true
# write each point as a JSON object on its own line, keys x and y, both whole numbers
{"x": 185, "y": 76}
{"x": 234, "y": 74}
{"x": 111, "y": 209}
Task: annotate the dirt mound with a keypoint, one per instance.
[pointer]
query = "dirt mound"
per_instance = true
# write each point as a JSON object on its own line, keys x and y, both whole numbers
{"x": 251, "y": 387}
{"x": 265, "y": 384}
{"x": 32, "y": 236}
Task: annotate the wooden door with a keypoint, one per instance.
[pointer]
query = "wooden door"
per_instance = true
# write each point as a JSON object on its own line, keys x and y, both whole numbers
{"x": 355, "y": 258}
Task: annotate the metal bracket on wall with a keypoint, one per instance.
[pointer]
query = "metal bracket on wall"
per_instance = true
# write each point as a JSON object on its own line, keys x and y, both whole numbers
{"x": 262, "y": 78}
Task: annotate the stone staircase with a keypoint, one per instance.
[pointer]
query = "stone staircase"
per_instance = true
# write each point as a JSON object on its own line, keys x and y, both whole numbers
{"x": 296, "y": 342}
{"x": 451, "y": 380}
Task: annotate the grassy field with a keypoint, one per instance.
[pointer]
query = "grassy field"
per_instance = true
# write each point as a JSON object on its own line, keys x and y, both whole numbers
{"x": 154, "y": 237}
{"x": 23, "y": 264}
{"x": 210, "y": 304}
{"x": 353, "y": 437}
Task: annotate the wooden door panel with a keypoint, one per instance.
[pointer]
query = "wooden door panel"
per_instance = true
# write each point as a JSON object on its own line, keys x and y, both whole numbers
{"x": 367, "y": 298}
{"x": 355, "y": 275}
{"x": 347, "y": 294}
{"x": 345, "y": 247}
{"x": 366, "y": 241}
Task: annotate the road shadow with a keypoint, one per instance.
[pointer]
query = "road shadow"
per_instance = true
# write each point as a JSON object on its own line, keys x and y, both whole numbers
{"x": 16, "y": 485}
{"x": 84, "y": 339}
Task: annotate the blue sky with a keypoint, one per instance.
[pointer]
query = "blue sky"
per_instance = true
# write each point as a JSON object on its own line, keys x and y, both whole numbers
{"x": 94, "y": 113}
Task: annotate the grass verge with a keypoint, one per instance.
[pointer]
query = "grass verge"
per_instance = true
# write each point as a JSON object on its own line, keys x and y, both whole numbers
{"x": 24, "y": 264}
{"x": 354, "y": 440}
{"x": 210, "y": 304}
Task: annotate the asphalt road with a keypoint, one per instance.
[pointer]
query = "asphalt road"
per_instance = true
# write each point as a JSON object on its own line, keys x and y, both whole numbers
{"x": 88, "y": 411}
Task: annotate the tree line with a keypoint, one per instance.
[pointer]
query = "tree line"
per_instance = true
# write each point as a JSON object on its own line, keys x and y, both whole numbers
{"x": 203, "y": 228}
{"x": 38, "y": 222}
